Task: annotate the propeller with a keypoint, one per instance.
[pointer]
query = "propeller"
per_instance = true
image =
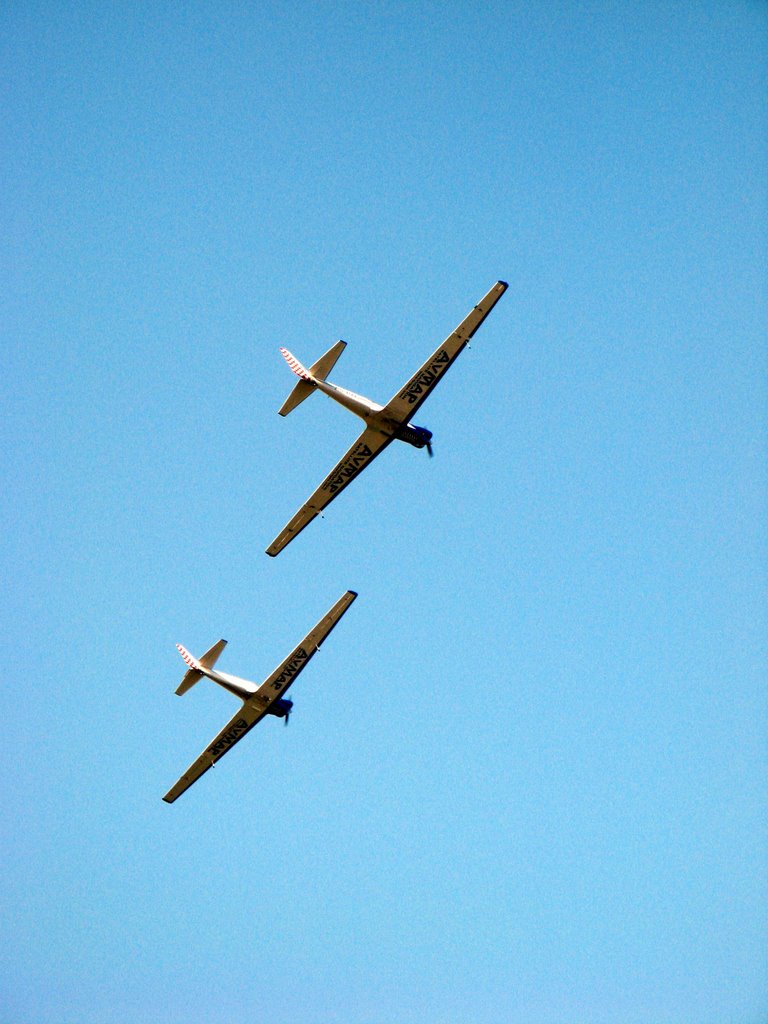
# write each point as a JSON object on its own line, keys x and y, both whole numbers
{"x": 287, "y": 716}
{"x": 430, "y": 453}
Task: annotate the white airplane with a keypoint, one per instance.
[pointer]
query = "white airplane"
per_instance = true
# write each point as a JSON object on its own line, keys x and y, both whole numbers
{"x": 383, "y": 423}
{"x": 258, "y": 701}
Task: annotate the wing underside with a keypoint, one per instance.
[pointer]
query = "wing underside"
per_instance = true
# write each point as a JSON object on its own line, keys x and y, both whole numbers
{"x": 365, "y": 449}
{"x": 245, "y": 719}
{"x": 407, "y": 401}
{"x": 285, "y": 673}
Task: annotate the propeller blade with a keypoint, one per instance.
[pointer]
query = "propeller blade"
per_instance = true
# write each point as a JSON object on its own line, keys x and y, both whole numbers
{"x": 287, "y": 716}
{"x": 429, "y": 449}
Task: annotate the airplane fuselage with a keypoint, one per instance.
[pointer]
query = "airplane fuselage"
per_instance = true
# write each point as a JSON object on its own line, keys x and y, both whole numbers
{"x": 373, "y": 415}
{"x": 242, "y": 688}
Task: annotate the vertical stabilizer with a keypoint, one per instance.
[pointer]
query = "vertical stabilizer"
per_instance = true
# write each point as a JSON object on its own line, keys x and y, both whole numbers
{"x": 295, "y": 365}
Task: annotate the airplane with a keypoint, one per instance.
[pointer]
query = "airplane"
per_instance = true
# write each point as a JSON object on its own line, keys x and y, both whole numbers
{"x": 383, "y": 423}
{"x": 258, "y": 701}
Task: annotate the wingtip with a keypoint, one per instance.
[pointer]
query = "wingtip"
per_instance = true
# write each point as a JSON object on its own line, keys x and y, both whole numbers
{"x": 503, "y": 284}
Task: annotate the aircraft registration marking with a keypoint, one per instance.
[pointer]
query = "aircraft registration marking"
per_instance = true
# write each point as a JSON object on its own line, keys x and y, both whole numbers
{"x": 230, "y": 736}
{"x": 351, "y": 465}
{"x": 426, "y": 378}
{"x": 294, "y": 665}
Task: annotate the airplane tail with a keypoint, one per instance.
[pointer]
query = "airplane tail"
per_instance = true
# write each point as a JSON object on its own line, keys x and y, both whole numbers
{"x": 308, "y": 378}
{"x": 198, "y": 666}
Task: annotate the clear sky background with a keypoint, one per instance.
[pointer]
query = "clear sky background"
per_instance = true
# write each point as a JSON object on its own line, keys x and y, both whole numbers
{"x": 525, "y": 780}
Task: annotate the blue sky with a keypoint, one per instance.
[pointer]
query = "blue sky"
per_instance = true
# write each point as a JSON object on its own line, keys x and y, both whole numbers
{"x": 525, "y": 779}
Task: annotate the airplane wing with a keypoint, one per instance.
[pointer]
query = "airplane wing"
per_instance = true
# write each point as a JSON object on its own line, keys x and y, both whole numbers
{"x": 234, "y": 730}
{"x": 404, "y": 404}
{"x": 365, "y": 449}
{"x": 285, "y": 673}
{"x": 254, "y": 709}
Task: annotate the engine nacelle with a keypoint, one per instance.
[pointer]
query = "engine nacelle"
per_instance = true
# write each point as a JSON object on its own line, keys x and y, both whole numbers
{"x": 280, "y": 708}
{"x": 419, "y": 437}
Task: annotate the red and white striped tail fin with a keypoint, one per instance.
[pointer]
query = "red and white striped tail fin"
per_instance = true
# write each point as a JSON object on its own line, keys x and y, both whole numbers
{"x": 295, "y": 365}
{"x": 198, "y": 667}
{"x": 192, "y": 662}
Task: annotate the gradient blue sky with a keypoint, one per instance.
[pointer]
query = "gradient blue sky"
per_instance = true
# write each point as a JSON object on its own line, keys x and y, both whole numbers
{"x": 525, "y": 779}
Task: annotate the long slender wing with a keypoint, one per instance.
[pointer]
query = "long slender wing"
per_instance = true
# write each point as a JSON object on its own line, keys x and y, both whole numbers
{"x": 404, "y": 404}
{"x": 234, "y": 730}
{"x": 285, "y": 673}
{"x": 362, "y": 453}
{"x": 254, "y": 709}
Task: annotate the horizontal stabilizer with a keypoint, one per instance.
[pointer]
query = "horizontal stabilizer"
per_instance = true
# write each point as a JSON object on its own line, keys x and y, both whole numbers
{"x": 211, "y": 656}
{"x": 189, "y": 680}
{"x": 302, "y": 390}
{"x": 326, "y": 363}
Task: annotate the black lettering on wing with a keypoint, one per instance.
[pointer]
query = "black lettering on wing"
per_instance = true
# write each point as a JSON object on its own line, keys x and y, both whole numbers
{"x": 290, "y": 670}
{"x": 229, "y": 737}
{"x": 426, "y": 377}
{"x": 348, "y": 469}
